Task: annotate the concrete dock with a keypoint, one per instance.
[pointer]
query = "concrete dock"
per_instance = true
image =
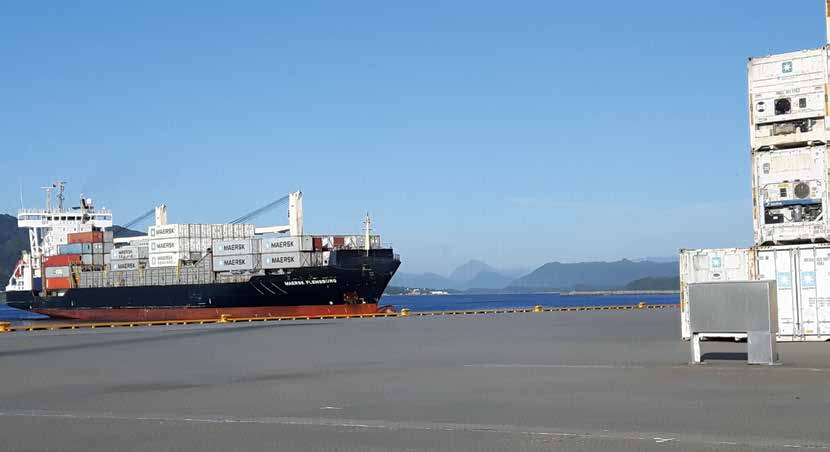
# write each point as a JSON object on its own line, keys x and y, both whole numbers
{"x": 576, "y": 381}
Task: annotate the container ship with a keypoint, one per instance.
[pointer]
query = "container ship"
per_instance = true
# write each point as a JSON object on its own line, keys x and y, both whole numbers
{"x": 76, "y": 269}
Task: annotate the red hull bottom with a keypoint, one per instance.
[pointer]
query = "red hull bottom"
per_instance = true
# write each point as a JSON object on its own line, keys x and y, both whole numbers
{"x": 161, "y": 314}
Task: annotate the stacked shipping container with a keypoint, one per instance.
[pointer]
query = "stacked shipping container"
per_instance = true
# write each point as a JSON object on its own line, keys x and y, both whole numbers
{"x": 172, "y": 243}
{"x": 788, "y": 136}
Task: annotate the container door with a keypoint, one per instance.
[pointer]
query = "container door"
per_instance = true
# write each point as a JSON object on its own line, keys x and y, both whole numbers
{"x": 807, "y": 291}
{"x": 823, "y": 290}
{"x": 778, "y": 266}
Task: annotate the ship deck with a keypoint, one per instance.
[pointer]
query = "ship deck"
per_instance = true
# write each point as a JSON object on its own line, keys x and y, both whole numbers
{"x": 604, "y": 380}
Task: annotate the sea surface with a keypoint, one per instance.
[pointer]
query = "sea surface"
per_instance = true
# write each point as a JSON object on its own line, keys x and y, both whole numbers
{"x": 456, "y": 302}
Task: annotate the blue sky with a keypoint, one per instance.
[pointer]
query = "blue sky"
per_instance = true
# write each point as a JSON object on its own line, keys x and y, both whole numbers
{"x": 514, "y": 132}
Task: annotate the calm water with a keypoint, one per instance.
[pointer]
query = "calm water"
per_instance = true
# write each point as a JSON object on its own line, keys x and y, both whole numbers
{"x": 461, "y": 302}
{"x": 504, "y": 301}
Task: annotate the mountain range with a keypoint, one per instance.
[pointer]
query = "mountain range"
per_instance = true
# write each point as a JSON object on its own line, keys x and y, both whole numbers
{"x": 555, "y": 276}
{"x": 474, "y": 274}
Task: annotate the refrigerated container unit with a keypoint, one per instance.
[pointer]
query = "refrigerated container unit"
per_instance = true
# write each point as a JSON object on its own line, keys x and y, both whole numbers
{"x": 790, "y": 192}
{"x": 712, "y": 265}
{"x": 802, "y": 275}
{"x": 787, "y": 98}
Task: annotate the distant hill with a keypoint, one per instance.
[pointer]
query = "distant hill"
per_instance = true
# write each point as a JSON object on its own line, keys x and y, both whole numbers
{"x": 650, "y": 283}
{"x": 13, "y": 240}
{"x": 488, "y": 280}
{"x": 472, "y": 274}
{"x": 469, "y": 271}
{"x": 430, "y": 280}
{"x": 592, "y": 275}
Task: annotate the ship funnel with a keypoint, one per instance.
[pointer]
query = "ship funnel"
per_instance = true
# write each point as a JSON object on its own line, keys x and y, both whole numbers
{"x": 295, "y": 212}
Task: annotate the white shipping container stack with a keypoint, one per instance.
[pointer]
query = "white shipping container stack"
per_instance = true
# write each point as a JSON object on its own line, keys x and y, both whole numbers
{"x": 286, "y": 252}
{"x": 172, "y": 243}
{"x": 788, "y": 110}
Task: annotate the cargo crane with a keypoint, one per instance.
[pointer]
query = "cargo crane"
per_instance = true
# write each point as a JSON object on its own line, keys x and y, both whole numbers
{"x": 138, "y": 220}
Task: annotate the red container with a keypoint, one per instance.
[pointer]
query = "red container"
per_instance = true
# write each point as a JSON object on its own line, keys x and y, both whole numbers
{"x": 86, "y": 237}
{"x": 62, "y": 260}
{"x": 339, "y": 242}
{"x": 317, "y": 243}
{"x": 58, "y": 283}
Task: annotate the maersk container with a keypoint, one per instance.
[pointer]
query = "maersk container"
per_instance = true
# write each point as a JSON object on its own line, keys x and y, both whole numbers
{"x": 787, "y": 99}
{"x": 790, "y": 191}
{"x": 235, "y": 263}
{"x": 285, "y": 260}
{"x": 711, "y": 265}
{"x": 176, "y": 245}
{"x": 124, "y": 265}
{"x": 802, "y": 274}
{"x": 129, "y": 252}
{"x": 166, "y": 231}
{"x": 165, "y": 260}
{"x": 288, "y": 244}
{"x": 234, "y": 247}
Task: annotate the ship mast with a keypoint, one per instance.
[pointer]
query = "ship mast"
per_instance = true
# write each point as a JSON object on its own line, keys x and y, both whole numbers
{"x": 367, "y": 223}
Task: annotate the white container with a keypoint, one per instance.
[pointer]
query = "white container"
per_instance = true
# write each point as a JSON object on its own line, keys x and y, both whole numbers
{"x": 802, "y": 274}
{"x": 124, "y": 265}
{"x": 165, "y": 260}
{"x": 235, "y": 263}
{"x": 787, "y": 98}
{"x": 58, "y": 272}
{"x": 285, "y": 260}
{"x": 711, "y": 265}
{"x": 235, "y": 247}
{"x": 166, "y": 231}
{"x": 177, "y": 245}
{"x": 790, "y": 191}
{"x": 129, "y": 252}
{"x": 289, "y": 244}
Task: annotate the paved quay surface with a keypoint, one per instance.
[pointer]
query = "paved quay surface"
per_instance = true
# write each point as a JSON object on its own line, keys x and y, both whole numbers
{"x": 575, "y": 381}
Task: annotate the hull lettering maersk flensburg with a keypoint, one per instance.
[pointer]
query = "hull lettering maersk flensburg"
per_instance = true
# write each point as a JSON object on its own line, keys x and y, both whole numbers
{"x": 352, "y": 286}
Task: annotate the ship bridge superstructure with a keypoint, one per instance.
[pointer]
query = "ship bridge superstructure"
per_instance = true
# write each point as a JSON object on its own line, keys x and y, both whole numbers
{"x": 49, "y": 227}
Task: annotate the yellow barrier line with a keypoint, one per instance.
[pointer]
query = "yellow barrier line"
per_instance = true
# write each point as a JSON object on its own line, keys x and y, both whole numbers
{"x": 7, "y": 327}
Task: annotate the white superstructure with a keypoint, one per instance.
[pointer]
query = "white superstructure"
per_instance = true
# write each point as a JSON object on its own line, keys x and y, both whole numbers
{"x": 49, "y": 228}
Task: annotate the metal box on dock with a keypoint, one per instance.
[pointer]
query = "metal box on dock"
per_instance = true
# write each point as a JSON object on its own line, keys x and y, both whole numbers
{"x": 790, "y": 193}
{"x": 733, "y": 306}
{"x": 787, "y": 97}
{"x": 711, "y": 265}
